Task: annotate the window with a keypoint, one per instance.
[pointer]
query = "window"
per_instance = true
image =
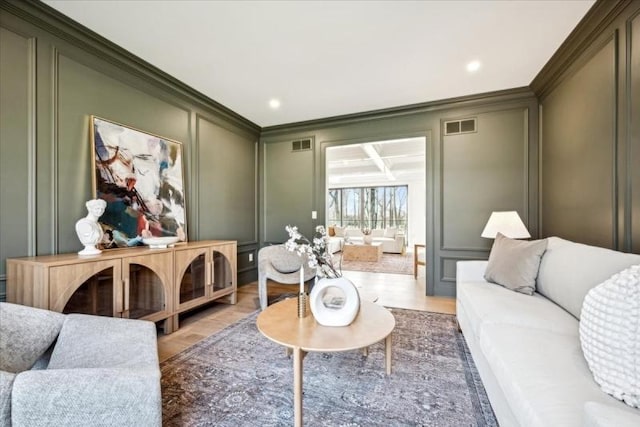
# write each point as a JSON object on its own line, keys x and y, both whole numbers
{"x": 373, "y": 207}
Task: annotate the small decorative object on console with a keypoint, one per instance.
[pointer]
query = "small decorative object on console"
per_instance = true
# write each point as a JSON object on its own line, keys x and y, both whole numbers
{"x": 160, "y": 242}
{"x": 88, "y": 230}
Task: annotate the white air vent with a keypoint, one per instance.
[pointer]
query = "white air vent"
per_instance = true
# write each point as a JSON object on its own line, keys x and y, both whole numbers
{"x": 455, "y": 127}
{"x": 301, "y": 145}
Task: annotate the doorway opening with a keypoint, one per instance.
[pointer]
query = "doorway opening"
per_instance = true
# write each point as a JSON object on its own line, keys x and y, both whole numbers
{"x": 376, "y": 192}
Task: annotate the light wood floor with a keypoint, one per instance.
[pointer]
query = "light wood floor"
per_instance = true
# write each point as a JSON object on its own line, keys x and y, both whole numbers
{"x": 390, "y": 290}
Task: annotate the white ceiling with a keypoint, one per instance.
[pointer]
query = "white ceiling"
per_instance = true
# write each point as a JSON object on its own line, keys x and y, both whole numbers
{"x": 329, "y": 58}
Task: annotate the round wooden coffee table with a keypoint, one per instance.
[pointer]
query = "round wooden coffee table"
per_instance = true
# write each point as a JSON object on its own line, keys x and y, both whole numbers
{"x": 280, "y": 323}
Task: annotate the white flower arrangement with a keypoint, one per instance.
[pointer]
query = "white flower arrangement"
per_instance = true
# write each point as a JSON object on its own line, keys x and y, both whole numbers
{"x": 315, "y": 250}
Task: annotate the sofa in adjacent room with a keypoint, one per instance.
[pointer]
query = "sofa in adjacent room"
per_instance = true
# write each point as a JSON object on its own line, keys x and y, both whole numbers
{"x": 391, "y": 238}
{"x": 77, "y": 370}
{"x": 528, "y": 348}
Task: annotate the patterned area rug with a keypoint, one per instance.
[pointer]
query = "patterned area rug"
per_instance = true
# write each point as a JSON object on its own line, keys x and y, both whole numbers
{"x": 389, "y": 263}
{"x": 238, "y": 377}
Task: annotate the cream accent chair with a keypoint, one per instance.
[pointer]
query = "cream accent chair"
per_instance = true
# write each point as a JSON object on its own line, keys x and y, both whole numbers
{"x": 282, "y": 266}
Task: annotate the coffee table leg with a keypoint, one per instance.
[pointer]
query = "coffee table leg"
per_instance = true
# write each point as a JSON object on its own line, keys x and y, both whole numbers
{"x": 297, "y": 385}
{"x": 387, "y": 350}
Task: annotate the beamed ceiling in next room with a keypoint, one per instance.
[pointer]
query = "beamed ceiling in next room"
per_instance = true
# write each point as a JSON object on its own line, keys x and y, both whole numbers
{"x": 391, "y": 162}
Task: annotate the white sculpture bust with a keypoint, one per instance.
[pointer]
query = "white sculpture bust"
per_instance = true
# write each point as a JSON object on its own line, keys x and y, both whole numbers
{"x": 88, "y": 230}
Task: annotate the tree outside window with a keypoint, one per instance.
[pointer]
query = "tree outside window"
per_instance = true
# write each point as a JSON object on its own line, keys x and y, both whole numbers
{"x": 372, "y": 207}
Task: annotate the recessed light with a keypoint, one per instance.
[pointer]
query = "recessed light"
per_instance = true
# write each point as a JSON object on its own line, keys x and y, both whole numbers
{"x": 473, "y": 66}
{"x": 274, "y": 104}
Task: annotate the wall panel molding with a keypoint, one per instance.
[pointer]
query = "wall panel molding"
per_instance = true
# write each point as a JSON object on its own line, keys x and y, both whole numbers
{"x": 55, "y": 108}
{"x": 245, "y": 138}
{"x": 445, "y": 259}
{"x": 616, "y": 141}
{"x": 525, "y": 173}
{"x": 579, "y": 145}
{"x": 31, "y": 150}
{"x": 632, "y": 132}
{"x": 18, "y": 138}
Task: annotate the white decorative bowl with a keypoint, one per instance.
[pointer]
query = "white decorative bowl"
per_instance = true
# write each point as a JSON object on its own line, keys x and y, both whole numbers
{"x": 334, "y": 302}
{"x": 160, "y": 242}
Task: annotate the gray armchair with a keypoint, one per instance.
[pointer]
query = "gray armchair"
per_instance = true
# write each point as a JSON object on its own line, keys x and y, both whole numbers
{"x": 282, "y": 266}
{"x": 77, "y": 370}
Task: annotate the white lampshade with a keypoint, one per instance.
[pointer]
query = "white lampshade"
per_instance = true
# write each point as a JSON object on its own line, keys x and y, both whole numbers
{"x": 508, "y": 223}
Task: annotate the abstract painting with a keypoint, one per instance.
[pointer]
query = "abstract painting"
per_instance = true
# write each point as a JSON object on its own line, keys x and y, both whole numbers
{"x": 140, "y": 176}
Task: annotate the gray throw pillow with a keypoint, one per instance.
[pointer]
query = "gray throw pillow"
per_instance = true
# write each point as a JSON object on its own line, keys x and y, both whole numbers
{"x": 25, "y": 334}
{"x": 514, "y": 263}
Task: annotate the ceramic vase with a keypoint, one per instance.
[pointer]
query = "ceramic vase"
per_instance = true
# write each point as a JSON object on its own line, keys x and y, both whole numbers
{"x": 367, "y": 239}
{"x": 334, "y": 302}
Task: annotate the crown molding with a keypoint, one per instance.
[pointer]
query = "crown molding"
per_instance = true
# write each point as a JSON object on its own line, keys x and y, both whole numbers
{"x": 592, "y": 25}
{"x": 487, "y": 98}
{"x": 63, "y": 27}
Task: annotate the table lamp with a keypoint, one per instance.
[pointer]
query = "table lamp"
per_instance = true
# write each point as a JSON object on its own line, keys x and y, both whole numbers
{"x": 508, "y": 223}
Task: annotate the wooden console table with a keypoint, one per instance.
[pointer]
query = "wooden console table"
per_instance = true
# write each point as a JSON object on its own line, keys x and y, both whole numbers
{"x": 137, "y": 283}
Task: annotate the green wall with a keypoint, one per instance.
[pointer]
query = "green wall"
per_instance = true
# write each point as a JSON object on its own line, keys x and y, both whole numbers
{"x": 590, "y": 131}
{"x": 468, "y": 175}
{"x": 53, "y": 76}
{"x": 288, "y": 189}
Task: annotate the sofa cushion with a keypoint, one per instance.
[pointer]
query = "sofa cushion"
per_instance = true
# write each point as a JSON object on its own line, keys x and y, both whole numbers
{"x": 25, "y": 334}
{"x": 514, "y": 263}
{"x": 104, "y": 342}
{"x": 338, "y": 230}
{"x": 391, "y": 232}
{"x": 569, "y": 270}
{"x": 599, "y": 415}
{"x": 6, "y": 384}
{"x": 543, "y": 375}
{"x": 377, "y": 232}
{"x": 353, "y": 232}
{"x": 480, "y": 300}
{"x": 87, "y": 397}
{"x": 610, "y": 335}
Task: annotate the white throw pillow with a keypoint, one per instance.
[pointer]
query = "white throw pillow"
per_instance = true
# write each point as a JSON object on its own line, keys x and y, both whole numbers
{"x": 339, "y": 231}
{"x": 610, "y": 335}
{"x": 391, "y": 232}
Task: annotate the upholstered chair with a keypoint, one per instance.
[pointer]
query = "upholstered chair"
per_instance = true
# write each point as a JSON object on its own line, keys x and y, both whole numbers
{"x": 77, "y": 370}
{"x": 282, "y": 266}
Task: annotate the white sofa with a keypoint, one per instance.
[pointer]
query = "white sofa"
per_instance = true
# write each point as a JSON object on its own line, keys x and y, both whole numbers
{"x": 392, "y": 240}
{"x": 527, "y": 348}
